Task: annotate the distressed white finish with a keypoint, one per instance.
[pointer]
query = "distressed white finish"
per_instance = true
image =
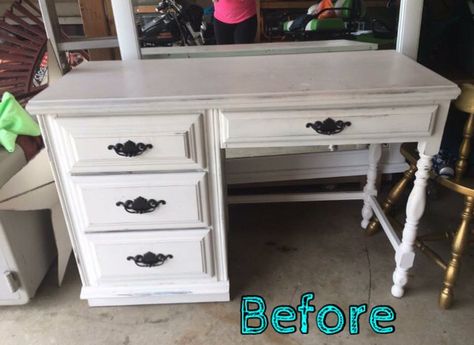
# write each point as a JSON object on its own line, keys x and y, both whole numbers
{"x": 245, "y": 170}
{"x": 177, "y": 143}
{"x": 185, "y": 196}
{"x": 405, "y": 255}
{"x": 375, "y": 152}
{"x": 386, "y": 96}
{"x": 274, "y": 48}
{"x": 191, "y": 250}
{"x": 58, "y": 44}
{"x": 53, "y": 31}
{"x": 244, "y": 129}
{"x": 409, "y": 25}
{"x": 151, "y": 294}
{"x": 88, "y": 43}
{"x": 386, "y": 226}
{"x": 348, "y": 79}
{"x": 126, "y": 29}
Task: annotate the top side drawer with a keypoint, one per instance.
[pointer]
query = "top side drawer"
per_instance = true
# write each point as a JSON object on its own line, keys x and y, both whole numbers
{"x": 325, "y": 126}
{"x": 131, "y": 143}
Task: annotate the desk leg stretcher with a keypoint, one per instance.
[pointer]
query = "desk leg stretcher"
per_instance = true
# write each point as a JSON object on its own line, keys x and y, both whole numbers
{"x": 370, "y": 189}
{"x": 404, "y": 248}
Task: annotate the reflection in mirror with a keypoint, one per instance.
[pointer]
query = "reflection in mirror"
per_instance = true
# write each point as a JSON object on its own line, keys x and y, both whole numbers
{"x": 167, "y": 23}
{"x": 174, "y": 23}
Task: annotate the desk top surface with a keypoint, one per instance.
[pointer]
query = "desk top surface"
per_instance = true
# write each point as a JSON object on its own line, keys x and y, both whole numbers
{"x": 319, "y": 75}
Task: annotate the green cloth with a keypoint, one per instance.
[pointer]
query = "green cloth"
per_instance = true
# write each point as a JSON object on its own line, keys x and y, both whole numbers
{"x": 14, "y": 120}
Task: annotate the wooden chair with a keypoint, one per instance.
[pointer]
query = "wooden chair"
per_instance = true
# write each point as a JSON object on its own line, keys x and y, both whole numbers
{"x": 459, "y": 184}
{"x": 22, "y": 50}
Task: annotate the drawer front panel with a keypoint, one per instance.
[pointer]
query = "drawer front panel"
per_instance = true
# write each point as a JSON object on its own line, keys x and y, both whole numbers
{"x": 138, "y": 143}
{"x": 136, "y": 256}
{"x": 283, "y": 128}
{"x": 112, "y": 203}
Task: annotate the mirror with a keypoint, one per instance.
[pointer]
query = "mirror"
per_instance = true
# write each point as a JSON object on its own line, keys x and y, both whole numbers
{"x": 188, "y": 23}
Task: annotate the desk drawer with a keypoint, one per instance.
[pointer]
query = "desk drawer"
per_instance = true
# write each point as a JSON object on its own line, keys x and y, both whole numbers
{"x": 138, "y": 143}
{"x": 141, "y": 201}
{"x": 307, "y": 127}
{"x": 135, "y": 256}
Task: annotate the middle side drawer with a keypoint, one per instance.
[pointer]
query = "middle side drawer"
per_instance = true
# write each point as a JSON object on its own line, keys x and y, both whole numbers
{"x": 141, "y": 201}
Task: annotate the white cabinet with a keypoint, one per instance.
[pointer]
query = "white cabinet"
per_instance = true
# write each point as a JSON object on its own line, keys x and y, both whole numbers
{"x": 144, "y": 219}
{"x": 148, "y": 221}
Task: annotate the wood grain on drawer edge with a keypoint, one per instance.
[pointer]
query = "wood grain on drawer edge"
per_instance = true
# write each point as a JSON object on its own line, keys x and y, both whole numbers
{"x": 185, "y": 195}
{"x": 267, "y": 128}
{"x": 177, "y": 292}
{"x": 177, "y": 142}
{"x": 191, "y": 250}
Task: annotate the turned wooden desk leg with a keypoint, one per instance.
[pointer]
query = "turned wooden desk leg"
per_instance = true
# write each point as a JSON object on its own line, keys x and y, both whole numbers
{"x": 375, "y": 152}
{"x": 458, "y": 246}
{"x": 392, "y": 198}
{"x": 405, "y": 253}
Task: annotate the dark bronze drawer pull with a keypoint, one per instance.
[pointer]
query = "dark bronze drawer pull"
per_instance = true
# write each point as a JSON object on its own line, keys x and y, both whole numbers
{"x": 328, "y": 126}
{"x": 140, "y": 205}
{"x": 130, "y": 149}
{"x": 150, "y": 259}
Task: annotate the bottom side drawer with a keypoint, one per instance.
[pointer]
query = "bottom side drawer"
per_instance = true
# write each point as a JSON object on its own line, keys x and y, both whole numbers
{"x": 148, "y": 256}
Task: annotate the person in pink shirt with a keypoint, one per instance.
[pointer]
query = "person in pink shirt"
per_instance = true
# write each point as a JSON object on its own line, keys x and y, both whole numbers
{"x": 235, "y": 21}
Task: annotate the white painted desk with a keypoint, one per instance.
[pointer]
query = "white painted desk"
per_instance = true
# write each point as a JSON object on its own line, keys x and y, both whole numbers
{"x": 185, "y": 112}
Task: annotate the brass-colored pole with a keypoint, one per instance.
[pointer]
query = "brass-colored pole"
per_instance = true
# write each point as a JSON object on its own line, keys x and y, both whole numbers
{"x": 392, "y": 198}
{"x": 458, "y": 246}
{"x": 465, "y": 148}
{"x": 420, "y": 245}
{"x": 431, "y": 254}
{"x": 444, "y": 236}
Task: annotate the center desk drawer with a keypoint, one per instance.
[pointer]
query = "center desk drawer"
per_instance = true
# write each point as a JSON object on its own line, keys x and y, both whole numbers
{"x": 141, "y": 201}
{"x": 307, "y": 127}
{"x": 132, "y": 143}
{"x": 150, "y": 256}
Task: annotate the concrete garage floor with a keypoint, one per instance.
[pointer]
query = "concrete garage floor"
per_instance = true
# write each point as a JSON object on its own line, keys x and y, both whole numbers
{"x": 277, "y": 251}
